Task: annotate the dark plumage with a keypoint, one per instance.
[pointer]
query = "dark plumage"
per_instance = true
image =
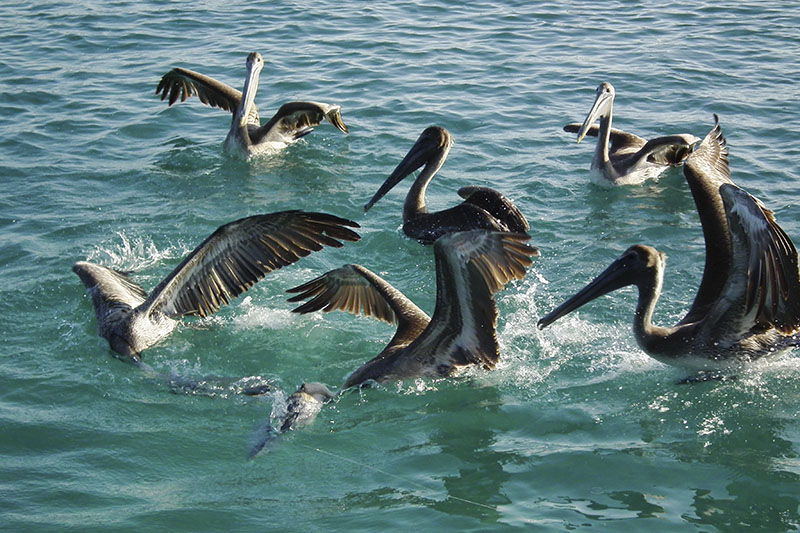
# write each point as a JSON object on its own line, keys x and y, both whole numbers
{"x": 483, "y": 208}
{"x": 748, "y": 303}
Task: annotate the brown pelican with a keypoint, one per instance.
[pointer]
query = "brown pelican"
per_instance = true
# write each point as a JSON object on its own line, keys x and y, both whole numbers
{"x": 227, "y": 263}
{"x": 470, "y": 268}
{"x": 748, "y": 304}
{"x": 629, "y": 159}
{"x": 483, "y": 208}
{"x": 247, "y": 136}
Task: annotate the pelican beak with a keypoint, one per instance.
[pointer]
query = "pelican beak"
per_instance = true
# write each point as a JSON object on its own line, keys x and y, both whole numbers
{"x": 616, "y": 276}
{"x": 254, "y": 65}
{"x": 419, "y": 154}
{"x": 601, "y": 105}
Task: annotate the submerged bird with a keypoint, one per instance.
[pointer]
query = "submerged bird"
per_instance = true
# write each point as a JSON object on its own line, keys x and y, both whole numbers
{"x": 246, "y": 135}
{"x": 483, "y": 208}
{"x": 471, "y": 267}
{"x": 300, "y": 409}
{"x": 622, "y": 158}
{"x": 227, "y": 263}
{"x": 304, "y": 405}
{"x": 748, "y": 304}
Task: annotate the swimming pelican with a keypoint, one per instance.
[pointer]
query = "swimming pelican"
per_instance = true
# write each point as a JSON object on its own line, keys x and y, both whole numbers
{"x": 629, "y": 159}
{"x": 748, "y": 304}
{"x": 471, "y": 267}
{"x": 247, "y": 136}
{"x": 227, "y": 263}
{"x": 483, "y": 208}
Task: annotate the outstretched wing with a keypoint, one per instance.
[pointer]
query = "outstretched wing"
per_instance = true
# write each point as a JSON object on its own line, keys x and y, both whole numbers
{"x": 669, "y": 150}
{"x": 709, "y": 162}
{"x": 471, "y": 266}
{"x": 764, "y": 285}
{"x": 183, "y": 83}
{"x": 705, "y": 170}
{"x": 295, "y": 119}
{"x": 358, "y": 290}
{"x": 619, "y": 141}
{"x": 496, "y": 205}
{"x": 238, "y": 254}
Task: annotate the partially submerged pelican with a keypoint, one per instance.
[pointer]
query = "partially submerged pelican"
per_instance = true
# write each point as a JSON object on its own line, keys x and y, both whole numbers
{"x": 748, "y": 304}
{"x": 300, "y": 409}
{"x": 622, "y": 158}
{"x": 470, "y": 268}
{"x": 227, "y": 263}
{"x": 483, "y": 208}
{"x": 246, "y": 135}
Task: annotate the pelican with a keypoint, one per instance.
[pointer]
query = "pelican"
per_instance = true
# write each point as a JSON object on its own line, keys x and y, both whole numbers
{"x": 483, "y": 208}
{"x": 227, "y": 263}
{"x": 629, "y": 159}
{"x": 471, "y": 267}
{"x": 748, "y": 303}
{"x": 247, "y": 136}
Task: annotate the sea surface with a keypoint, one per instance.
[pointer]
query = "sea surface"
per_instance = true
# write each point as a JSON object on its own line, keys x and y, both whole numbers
{"x": 576, "y": 429}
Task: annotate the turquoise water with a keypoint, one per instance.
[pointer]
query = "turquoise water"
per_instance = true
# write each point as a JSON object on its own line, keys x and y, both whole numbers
{"x": 575, "y": 430}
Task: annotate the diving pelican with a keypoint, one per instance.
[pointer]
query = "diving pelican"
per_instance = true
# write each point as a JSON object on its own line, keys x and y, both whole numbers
{"x": 483, "y": 208}
{"x": 629, "y": 159}
{"x": 227, "y": 263}
{"x": 748, "y": 303}
{"x": 471, "y": 267}
{"x": 246, "y": 135}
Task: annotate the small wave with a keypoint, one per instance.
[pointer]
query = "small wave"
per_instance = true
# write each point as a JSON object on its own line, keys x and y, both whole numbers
{"x": 260, "y": 317}
{"x": 134, "y": 253}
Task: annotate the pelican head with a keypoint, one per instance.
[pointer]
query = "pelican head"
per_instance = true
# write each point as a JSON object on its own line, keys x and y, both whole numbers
{"x": 433, "y": 144}
{"x": 254, "y": 62}
{"x": 603, "y": 103}
{"x": 318, "y": 391}
{"x": 638, "y": 265}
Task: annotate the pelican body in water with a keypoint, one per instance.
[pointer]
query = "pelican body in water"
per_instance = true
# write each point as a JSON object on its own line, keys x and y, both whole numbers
{"x": 483, "y": 208}
{"x": 471, "y": 267}
{"x": 247, "y": 136}
{"x": 227, "y": 263}
{"x": 748, "y": 303}
{"x": 622, "y": 158}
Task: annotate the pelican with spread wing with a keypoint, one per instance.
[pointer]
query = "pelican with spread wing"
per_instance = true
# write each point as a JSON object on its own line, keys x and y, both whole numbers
{"x": 748, "y": 303}
{"x": 471, "y": 267}
{"x": 230, "y": 261}
{"x": 246, "y": 135}
{"x": 622, "y": 158}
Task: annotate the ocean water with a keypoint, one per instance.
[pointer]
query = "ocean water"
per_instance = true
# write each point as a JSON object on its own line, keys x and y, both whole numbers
{"x": 576, "y": 429}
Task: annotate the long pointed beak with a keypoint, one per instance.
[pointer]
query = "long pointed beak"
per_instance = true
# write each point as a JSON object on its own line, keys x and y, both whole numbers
{"x": 415, "y": 158}
{"x": 598, "y": 109}
{"x": 614, "y": 277}
{"x": 249, "y": 90}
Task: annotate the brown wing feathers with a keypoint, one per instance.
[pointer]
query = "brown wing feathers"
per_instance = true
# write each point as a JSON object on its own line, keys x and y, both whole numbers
{"x": 240, "y": 253}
